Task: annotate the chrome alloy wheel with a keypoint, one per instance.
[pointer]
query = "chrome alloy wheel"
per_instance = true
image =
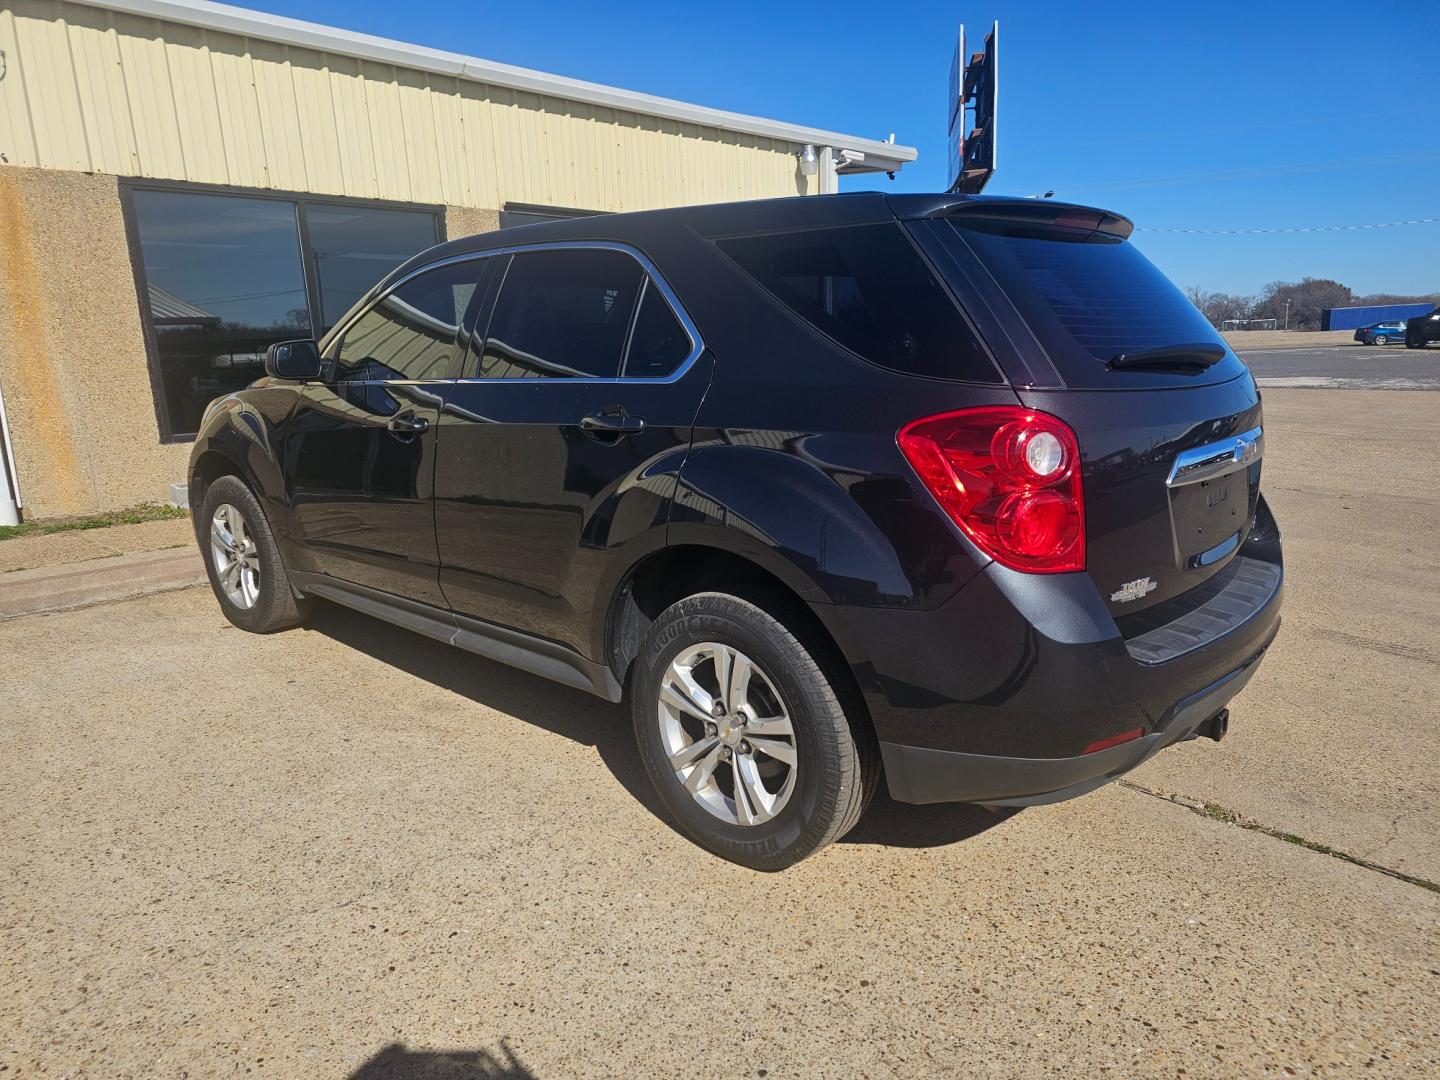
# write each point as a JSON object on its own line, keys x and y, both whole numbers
{"x": 237, "y": 563}
{"x": 727, "y": 734}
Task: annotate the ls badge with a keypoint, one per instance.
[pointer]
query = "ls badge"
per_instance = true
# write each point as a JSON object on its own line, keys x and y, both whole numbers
{"x": 1133, "y": 590}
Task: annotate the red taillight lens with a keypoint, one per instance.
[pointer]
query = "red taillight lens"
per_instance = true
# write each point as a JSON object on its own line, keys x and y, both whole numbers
{"x": 1010, "y": 478}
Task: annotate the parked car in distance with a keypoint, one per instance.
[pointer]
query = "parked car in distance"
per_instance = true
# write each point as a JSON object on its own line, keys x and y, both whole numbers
{"x": 1422, "y": 329}
{"x": 957, "y": 493}
{"x": 1380, "y": 333}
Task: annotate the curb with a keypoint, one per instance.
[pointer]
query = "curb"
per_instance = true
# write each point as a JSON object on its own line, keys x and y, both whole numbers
{"x": 95, "y": 581}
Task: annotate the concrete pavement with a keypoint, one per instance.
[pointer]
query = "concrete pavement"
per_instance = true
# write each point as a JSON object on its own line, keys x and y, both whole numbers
{"x": 1337, "y": 738}
{"x": 1344, "y": 367}
{"x": 342, "y": 850}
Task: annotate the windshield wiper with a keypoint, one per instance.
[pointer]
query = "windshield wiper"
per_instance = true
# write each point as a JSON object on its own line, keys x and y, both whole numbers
{"x": 1200, "y": 354}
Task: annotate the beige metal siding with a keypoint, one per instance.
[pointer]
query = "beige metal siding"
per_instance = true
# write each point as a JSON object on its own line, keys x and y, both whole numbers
{"x": 97, "y": 91}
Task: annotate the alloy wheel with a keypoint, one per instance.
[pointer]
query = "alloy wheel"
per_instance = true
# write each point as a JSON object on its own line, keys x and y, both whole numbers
{"x": 727, "y": 734}
{"x": 237, "y": 562}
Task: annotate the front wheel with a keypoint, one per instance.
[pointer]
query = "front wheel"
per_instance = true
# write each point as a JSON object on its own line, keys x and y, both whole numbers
{"x": 744, "y": 734}
{"x": 243, "y": 562}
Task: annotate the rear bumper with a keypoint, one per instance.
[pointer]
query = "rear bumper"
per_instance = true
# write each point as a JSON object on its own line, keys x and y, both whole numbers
{"x": 917, "y": 774}
{"x": 997, "y": 695}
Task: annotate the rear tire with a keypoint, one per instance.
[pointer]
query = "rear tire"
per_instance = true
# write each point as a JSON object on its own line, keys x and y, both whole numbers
{"x": 1380, "y": 339}
{"x": 767, "y": 770}
{"x": 243, "y": 561}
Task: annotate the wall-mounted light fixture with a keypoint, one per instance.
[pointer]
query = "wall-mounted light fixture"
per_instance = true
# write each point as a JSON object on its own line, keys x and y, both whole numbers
{"x": 809, "y": 160}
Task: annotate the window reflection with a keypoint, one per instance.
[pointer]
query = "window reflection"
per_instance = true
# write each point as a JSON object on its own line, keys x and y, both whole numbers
{"x": 225, "y": 277}
{"x": 355, "y": 246}
{"x": 224, "y": 280}
{"x": 562, "y": 315}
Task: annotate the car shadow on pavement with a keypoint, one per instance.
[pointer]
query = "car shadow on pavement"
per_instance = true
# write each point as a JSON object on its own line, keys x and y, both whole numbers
{"x": 590, "y": 721}
{"x": 396, "y": 1062}
{"x": 568, "y": 712}
{"x": 894, "y": 824}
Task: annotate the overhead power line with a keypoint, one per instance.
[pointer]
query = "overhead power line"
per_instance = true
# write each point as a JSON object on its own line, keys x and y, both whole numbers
{"x": 1292, "y": 228}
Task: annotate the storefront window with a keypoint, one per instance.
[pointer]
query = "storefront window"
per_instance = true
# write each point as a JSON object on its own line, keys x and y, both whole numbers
{"x": 225, "y": 276}
{"x": 355, "y": 246}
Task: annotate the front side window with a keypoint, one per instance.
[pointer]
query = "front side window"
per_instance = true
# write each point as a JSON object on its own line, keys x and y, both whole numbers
{"x": 867, "y": 288}
{"x": 410, "y": 333}
{"x": 225, "y": 276}
{"x": 562, "y": 314}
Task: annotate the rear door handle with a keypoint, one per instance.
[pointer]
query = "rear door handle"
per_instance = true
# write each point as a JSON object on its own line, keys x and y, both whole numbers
{"x": 618, "y": 423}
{"x": 407, "y": 423}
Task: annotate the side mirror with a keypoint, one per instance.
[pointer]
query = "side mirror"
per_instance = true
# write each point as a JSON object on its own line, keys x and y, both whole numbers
{"x": 299, "y": 359}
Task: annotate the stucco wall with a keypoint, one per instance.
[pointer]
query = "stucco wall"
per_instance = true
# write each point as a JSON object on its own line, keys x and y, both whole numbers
{"x": 469, "y": 220}
{"x": 72, "y": 354}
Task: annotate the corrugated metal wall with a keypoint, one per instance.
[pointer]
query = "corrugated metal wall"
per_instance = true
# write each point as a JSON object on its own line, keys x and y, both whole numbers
{"x": 98, "y": 91}
{"x": 1348, "y": 318}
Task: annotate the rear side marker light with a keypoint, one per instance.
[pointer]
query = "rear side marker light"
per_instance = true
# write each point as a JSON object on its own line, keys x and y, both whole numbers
{"x": 1114, "y": 740}
{"x": 1009, "y": 478}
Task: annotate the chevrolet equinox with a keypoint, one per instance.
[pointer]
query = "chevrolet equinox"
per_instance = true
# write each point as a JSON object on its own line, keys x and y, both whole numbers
{"x": 960, "y": 492}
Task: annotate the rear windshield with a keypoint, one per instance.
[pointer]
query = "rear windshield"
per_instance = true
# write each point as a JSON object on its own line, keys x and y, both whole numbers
{"x": 867, "y": 288}
{"x": 1089, "y": 297}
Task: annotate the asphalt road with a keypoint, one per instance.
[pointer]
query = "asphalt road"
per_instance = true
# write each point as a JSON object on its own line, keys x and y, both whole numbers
{"x": 346, "y": 851}
{"x": 1354, "y": 367}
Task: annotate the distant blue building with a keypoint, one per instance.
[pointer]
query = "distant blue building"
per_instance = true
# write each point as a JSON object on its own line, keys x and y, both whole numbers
{"x": 1348, "y": 318}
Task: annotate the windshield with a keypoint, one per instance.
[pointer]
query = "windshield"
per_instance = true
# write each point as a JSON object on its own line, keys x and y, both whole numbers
{"x": 1089, "y": 297}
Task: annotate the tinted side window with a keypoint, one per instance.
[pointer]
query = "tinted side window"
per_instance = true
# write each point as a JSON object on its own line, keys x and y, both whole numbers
{"x": 562, "y": 314}
{"x": 659, "y": 343}
{"x": 410, "y": 334}
{"x": 867, "y": 288}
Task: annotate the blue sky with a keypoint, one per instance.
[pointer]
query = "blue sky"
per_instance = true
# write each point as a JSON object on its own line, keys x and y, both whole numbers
{"x": 1179, "y": 115}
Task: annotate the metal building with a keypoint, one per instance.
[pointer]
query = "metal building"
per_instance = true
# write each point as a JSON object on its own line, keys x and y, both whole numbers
{"x": 1350, "y": 318}
{"x": 183, "y": 183}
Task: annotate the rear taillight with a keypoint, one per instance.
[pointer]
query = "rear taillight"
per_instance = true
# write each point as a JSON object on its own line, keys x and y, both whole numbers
{"x": 1010, "y": 478}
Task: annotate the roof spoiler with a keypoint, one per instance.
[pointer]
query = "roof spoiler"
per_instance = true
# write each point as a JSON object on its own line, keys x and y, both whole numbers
{"x": 1032, "y": 212}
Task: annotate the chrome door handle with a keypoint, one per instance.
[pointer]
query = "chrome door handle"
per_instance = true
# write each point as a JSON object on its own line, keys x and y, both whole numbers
{"x": 618, "y": 424}
{"x": 408, "y": 424}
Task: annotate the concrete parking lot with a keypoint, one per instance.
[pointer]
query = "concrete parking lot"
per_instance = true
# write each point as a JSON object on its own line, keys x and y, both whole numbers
{"x": 346, "y": 851}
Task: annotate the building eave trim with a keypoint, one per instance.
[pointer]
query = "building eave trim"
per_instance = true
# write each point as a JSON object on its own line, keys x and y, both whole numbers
{"x": 880, "y": 156}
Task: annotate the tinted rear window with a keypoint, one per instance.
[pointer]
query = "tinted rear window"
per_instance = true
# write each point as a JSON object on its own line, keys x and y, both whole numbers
{"x": 867, "y": 288}
{"x": 1089, "y": 297}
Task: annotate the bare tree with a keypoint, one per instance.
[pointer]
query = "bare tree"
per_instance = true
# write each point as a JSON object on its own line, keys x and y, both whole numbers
{"x": 1218, "y": 307}
{"x": 1305, "y": 300}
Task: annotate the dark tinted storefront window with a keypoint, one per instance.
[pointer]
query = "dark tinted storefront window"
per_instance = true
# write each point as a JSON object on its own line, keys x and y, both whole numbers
{"x": 225, "y": 276}
{"x": 356, "y": 246}
{"x": 225, "y": 280}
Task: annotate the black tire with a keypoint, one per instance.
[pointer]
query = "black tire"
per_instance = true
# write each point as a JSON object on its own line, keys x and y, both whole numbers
{"x": 275, "y": 606}
{"x": 1380, "y": 339}
{"x": 1414, "y": 344}
{"x": 837, "y": 769}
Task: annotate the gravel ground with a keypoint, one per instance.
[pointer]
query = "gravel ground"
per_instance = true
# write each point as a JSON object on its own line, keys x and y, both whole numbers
{"x": 346, "y": 851}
